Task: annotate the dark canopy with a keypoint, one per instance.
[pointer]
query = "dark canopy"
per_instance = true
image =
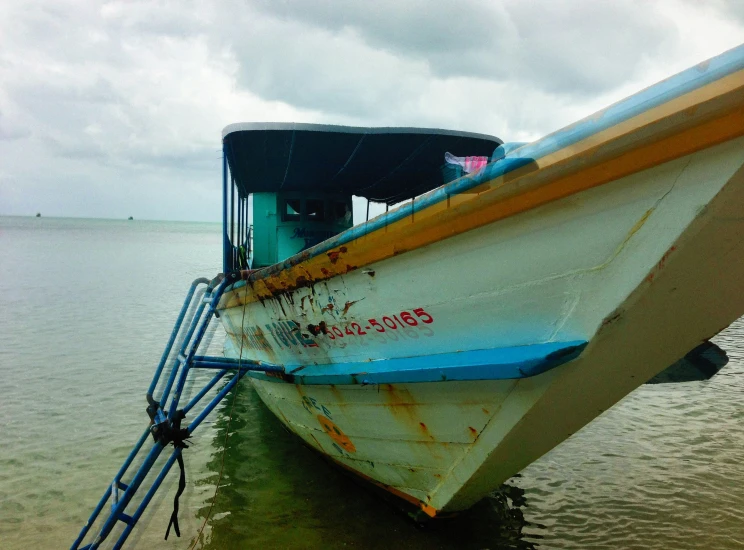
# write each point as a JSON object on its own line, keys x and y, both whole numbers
{"x": 381, "y": 164}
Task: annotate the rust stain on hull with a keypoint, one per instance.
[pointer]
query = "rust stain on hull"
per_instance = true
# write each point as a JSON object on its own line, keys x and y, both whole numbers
{"x": 423, "y": 506}
{"x": 334, "y": 255}
{"x": 347, "y": 306}
{"x": 596, "y": 163}
{"x": 401, "y": 404}
{"x": 335, "y": 433}
{"x": 660, "y": 264}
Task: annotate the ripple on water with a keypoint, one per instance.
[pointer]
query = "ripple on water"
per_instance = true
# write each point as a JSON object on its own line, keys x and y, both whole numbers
{"x": 662, "y": 469}
{"x": 666, "y": 471}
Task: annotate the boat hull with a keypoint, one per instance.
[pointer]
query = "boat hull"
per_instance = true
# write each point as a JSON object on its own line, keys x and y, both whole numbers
{"x": 440, "y": 348}
{"x": 643, "y": 268}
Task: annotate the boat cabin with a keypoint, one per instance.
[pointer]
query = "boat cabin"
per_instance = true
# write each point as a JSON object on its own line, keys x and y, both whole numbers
{"x": 285, "y": 224}
{"x": 289, "y": 186}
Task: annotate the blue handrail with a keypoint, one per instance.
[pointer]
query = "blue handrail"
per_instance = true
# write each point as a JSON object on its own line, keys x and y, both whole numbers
{"x": 174, "y": 332}
{"x": 164, "y": 425}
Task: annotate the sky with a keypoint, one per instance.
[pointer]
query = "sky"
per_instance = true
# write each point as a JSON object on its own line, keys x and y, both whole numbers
{"x": 115, "y": 109}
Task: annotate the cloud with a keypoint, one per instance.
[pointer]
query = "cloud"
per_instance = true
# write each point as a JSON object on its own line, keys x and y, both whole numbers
{"x": 106, "y": 108}
{"x": 543, "y": 44}
{"x": 447, "y": 33}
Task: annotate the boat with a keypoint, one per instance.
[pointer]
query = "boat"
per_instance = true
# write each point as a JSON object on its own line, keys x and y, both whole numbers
{"x": 513, "y": 293}
{"x": 439, "y": 348}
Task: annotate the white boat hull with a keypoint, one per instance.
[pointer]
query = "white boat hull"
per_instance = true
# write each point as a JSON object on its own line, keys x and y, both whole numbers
{"x": 644, "y": 275}
{"x": 628, "y": 239}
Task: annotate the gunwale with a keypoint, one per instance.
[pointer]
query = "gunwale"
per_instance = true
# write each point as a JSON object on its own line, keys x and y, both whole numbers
{"x": 691, "y": 111}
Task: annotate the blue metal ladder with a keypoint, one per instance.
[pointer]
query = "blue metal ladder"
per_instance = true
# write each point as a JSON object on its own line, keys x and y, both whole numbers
{"x": 165, "y": 426}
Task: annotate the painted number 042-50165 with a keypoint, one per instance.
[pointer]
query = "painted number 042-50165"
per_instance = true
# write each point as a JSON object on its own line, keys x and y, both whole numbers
{"x": 403, "y": 319}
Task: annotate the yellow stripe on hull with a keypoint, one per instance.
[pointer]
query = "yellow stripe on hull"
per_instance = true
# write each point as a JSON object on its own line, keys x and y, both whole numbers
{"x": 695, "y": 121}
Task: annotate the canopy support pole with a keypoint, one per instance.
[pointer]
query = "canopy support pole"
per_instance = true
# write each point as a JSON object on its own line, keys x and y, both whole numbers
{"x": 226, "y": 247}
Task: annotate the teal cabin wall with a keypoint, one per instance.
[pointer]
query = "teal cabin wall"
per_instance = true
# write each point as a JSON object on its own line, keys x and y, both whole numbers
{"x": 264, "y": 229}
{"x": 287, "y": 223}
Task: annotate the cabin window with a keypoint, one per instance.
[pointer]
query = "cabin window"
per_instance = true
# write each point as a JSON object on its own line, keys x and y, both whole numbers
{"x": 292, "y": 210}
{"x": 341, "y": 212}
{"x": 315, "y": 210}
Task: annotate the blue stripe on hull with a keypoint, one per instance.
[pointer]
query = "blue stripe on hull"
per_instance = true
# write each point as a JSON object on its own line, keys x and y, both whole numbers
{"x": 673, "y": 87}
{"x": 489, "y": 364}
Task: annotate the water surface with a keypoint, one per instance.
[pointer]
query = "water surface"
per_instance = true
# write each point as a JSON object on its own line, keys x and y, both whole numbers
{"x": 85, "y": 309}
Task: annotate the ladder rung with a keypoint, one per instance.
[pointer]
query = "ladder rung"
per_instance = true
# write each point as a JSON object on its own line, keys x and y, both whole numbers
{"x": 129, "y": 520}
{"x": 120, "y": 494}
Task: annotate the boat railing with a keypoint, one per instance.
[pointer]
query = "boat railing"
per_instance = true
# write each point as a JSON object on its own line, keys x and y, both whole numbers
{"x": 167, "y": 413}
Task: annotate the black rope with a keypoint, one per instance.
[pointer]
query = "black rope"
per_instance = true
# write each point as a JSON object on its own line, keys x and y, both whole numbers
{"x": 181, "y": 486}
{"x": 178, "y": 437}
{"x": 164, "y": 433}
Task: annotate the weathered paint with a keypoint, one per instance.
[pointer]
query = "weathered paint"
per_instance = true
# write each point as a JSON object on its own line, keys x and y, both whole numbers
{"x": 489, "y": 364}
{"x": 333, "y": 431}
{"x": 643, "y": 266}
{"x": 525, "y": 282}
{"x": 396, "y": 428}
{"x": 662, "y": 123}
{"x": 422, "y": 447}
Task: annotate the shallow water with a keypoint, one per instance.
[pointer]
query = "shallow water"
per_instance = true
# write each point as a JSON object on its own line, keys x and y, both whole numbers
{"x": 85, "y": 309}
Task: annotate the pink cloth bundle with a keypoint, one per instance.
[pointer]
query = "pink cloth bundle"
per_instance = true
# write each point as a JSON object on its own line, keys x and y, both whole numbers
{"x": 469, "y": 164}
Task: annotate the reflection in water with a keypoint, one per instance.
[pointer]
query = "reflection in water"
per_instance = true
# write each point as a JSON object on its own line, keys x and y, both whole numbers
{"x": 660, "y": 470}
{"x": 277, "y": 493}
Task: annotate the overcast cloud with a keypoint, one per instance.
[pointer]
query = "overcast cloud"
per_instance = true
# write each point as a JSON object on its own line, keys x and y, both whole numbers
{"x": 115, "y": 109}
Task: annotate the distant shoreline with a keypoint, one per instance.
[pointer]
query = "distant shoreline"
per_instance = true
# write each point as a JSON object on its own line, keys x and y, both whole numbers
{"x": 44, "y": 217}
